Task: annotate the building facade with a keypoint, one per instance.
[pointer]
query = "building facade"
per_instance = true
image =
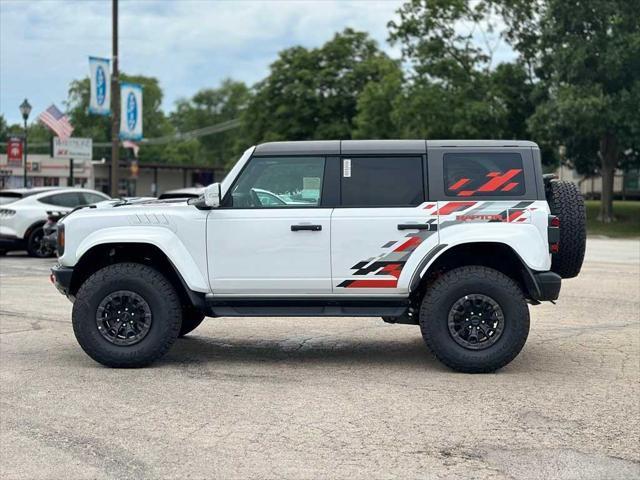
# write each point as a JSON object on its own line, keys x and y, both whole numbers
{"x": 146, "y": 180}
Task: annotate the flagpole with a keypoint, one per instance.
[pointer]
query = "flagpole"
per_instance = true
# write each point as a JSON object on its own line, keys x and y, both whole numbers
{"x": 115, "y": 104}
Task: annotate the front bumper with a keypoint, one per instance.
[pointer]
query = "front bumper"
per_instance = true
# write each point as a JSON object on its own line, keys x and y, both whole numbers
{"x": 61, "y": 278}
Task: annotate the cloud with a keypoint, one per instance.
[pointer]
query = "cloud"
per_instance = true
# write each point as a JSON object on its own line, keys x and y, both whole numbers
{"x": 187, "y": 44}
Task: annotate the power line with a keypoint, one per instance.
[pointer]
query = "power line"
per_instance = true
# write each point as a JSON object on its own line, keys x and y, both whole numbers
{"x": 174, "y": 137}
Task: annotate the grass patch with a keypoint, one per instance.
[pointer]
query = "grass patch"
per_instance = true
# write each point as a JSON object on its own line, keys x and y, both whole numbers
{"x": 627, "y": 224}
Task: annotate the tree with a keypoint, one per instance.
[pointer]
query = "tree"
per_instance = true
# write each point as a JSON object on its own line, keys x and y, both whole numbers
{"x": 4, "y": 128}
{"x": 313, "y": 94}
{"x": 376, "y": 104}
{"x": 38, "y": 136}
{"x": 587, "y": 57}
{"x": 453, "y": 89}
{"x": 209, "y": 107}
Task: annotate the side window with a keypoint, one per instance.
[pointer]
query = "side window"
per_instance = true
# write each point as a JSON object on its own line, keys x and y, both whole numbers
{"x": 382, "y": 182}
{"x": 279, "y": 182}
{"x": 90, "y": 198}
{"x": 68, "y": 199}
{"x": 483, "y": 174}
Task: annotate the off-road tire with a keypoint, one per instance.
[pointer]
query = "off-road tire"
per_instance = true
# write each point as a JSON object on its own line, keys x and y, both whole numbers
{"x": 191, "y": 319}
{"x": 455, "y": 284}
{"x": 35, "y": 244}
{"x": 566, "y": 202}
{"x": 149, "y": 284}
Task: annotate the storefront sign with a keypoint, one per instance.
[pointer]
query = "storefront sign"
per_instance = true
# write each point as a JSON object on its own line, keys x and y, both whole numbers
{"x": 76, "y": 148}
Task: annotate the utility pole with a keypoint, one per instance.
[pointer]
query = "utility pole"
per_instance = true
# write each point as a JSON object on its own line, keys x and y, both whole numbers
{"x": 115, "y": 104}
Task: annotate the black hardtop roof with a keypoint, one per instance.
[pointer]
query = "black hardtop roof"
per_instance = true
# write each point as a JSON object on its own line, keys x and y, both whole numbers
{"x": 357, "y": 147}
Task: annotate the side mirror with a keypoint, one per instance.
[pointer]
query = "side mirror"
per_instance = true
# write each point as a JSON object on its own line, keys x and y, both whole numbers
{"x": 212, "y": 195}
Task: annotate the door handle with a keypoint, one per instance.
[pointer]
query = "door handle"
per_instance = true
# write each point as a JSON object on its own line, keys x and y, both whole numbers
{"x": 313, "y": 228}
{"x": 413, "y": 226}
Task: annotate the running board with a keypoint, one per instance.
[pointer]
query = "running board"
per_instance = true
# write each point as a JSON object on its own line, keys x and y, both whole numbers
{"x": 305, "y": 307}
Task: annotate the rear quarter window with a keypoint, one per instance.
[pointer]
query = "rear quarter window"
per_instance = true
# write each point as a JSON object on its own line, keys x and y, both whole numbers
{"x": 479, "y": 174}
{"x": 68, "y": 199}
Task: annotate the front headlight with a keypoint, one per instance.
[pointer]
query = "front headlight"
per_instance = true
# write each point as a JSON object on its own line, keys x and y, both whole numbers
{"x": 7, "y": 212}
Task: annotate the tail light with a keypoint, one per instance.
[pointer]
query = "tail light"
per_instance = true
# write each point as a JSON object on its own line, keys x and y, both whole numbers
{"x": 553, "y": 233}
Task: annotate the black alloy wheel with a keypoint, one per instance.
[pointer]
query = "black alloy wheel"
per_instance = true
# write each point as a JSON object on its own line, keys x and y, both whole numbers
{"x": 476, "y": 321}
{"x": 36, "y": 245}
{"x": 123, "y": 317}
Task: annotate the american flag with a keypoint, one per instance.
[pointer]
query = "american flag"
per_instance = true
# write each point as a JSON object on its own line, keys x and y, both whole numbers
{"x": 56, "y": 121}
{"x": 132, "y": 145}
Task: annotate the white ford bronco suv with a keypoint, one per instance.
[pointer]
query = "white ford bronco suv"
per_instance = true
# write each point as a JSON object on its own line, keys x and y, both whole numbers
{"x": 454, "y": 236}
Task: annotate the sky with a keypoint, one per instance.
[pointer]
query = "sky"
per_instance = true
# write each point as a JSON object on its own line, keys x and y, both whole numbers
{"x": 187, "y": 44}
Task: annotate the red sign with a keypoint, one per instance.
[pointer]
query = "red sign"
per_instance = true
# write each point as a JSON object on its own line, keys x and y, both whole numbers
{"x": 14, "y": 152}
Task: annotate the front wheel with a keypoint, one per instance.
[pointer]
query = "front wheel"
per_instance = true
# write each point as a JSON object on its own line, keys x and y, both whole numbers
{"x": 126, "y": 315}
{"x": 474, "y": 319}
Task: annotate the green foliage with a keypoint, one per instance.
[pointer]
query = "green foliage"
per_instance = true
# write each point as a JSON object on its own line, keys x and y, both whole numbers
{"x": 587, "y": 58}
{"x": 377, "y": 104}
{"x": 627, "y": 214}
{"x": 313, "y": 94}
{"x": 436, "y": 43}
{"x": 210, "y": 107}
{"x": 576, "y": 83}
{"x": 450, "y": 89}
{"x": 36, "y": 134}
{"x": 4, "y": 128}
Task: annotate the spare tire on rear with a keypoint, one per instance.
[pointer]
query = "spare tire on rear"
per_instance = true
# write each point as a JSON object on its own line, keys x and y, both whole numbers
{"x": 566, "y": 202}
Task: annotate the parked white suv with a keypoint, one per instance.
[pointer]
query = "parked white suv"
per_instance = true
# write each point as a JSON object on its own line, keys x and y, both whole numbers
{"x": 455, "y": 236}
{"x": 23, "y": 212}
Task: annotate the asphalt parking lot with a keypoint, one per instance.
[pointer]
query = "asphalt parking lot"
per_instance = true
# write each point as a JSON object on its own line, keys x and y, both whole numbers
{"x": 326, "y": 398}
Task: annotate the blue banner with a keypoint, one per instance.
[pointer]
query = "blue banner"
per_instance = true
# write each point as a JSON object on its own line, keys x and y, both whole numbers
{"x": 130, "y": 111}
{"x": 100, "y": 75}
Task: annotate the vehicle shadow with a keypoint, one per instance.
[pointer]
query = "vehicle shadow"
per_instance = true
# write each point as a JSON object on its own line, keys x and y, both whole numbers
{"x": 199, "y": 350}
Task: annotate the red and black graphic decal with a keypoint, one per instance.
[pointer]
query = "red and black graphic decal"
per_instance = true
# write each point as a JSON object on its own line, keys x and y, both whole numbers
{"x": 452, "y": 207}
{"x": 391, "y": 264}
{"x": 493, "y": 183}
{"x": 486, "y": 213}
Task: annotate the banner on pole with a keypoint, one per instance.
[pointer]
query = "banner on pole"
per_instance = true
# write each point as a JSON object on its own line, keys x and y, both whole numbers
{"x": 14, "y": 152}
{"x": 130, "y": 111}
{"x": 100, "y": 99}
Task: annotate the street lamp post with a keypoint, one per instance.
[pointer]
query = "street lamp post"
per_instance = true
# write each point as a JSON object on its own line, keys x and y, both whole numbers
{"x": 25, "y": 110}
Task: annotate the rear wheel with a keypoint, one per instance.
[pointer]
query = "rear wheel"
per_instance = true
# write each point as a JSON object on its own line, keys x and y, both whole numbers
{"x": 474, "y": 319}
{"x": 126, "y": 315}
{"x": 566, "y": 202}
